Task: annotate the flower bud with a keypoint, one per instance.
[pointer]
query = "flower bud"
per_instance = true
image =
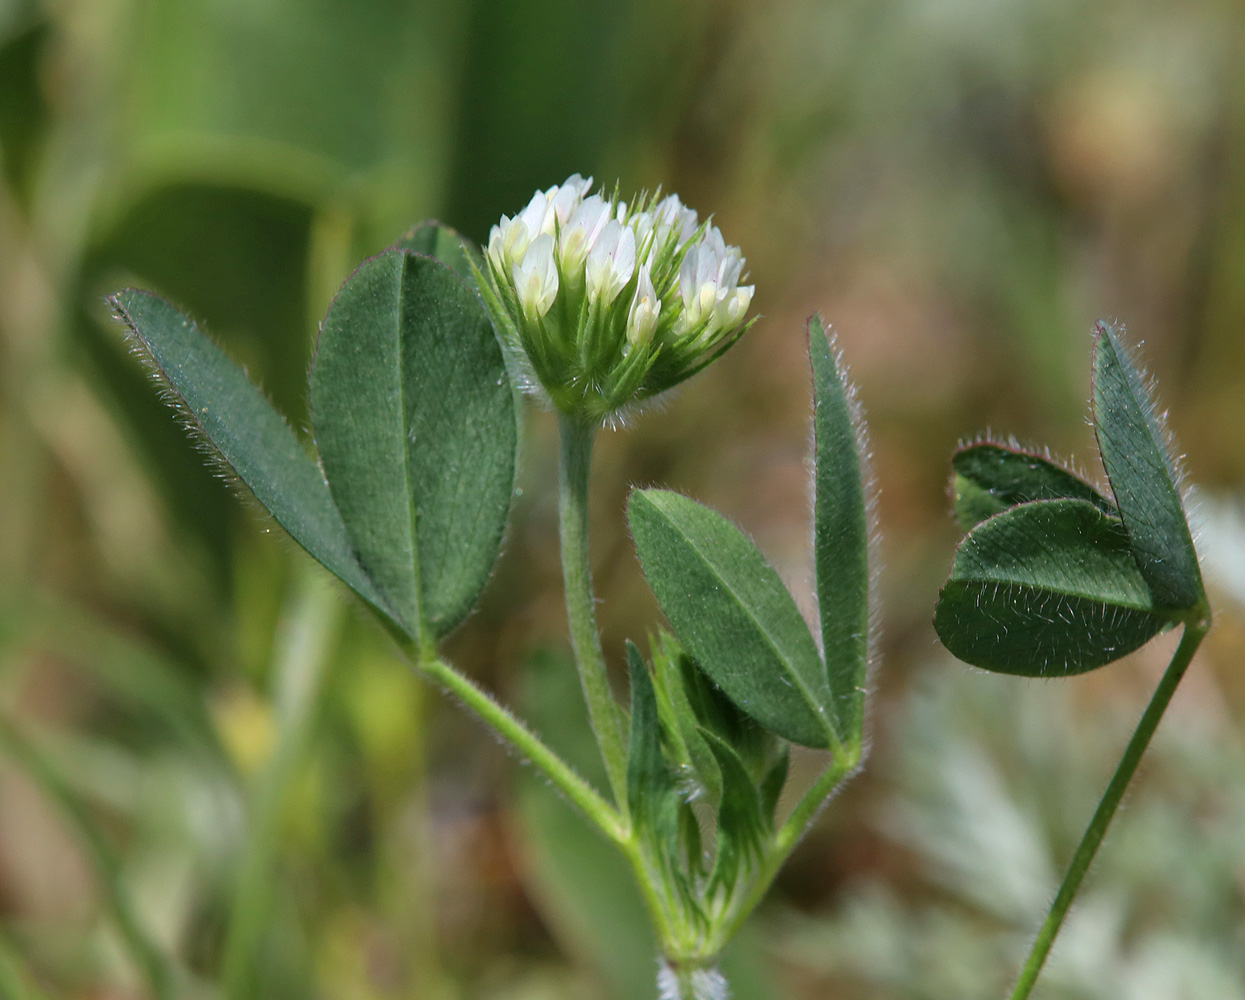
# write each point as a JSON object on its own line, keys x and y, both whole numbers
{"x": 611, "y": 262}
{"x": 580, "y": 233}
{"x": 645, "y": 310}
{"x": 603, "y": 303}
{"x": 536, "y": 278}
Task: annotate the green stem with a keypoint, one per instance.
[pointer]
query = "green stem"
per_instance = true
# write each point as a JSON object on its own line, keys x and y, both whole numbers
{"x": 581, "y": 614}
{"x": 1097, "y": 829}
{"x": 596, "y": 809}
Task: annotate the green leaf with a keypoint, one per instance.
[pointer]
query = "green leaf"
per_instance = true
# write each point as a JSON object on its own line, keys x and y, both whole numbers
{"x": 220, "y": 403}
{"x": 772, "y": 784}
{"x": 1143, "y": 477}
{"x": 742, "y": 824}
{"x": 674, "y": 673}
{"x": 732, "y": 612}
{"x": 688, "y": 701}
{"x": 987, "y": 478}
{"x": 651, "y": 794}
{"x": 416, "y": 424}
{"x": 450, "y": 247}
{"x": 841, "y": 535}
{"x": 1048, "y": 588}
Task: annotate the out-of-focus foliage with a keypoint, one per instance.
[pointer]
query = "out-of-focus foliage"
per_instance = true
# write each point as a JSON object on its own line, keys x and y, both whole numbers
{"x": 992, "y": 784}
{"x": 216, "y": 779}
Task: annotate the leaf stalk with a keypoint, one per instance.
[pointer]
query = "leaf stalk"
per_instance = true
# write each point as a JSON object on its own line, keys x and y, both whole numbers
{"x": 1194, "y": 631}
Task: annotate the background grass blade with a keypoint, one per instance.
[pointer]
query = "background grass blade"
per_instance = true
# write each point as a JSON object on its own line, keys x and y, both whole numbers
{"x": 155, "y": 967}
{"x": 302, "y": 661}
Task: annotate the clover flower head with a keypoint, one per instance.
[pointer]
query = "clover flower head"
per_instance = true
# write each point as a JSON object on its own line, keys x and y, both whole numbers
{"x": 603, "y": 303}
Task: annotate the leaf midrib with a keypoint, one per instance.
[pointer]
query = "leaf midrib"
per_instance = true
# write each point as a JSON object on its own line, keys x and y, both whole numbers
{"x": 412, "y": 511}
{"x": 1042, "y": 589}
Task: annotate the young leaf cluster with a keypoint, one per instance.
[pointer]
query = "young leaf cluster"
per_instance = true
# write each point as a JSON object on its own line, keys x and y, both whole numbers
{"x": 713, "y": 714}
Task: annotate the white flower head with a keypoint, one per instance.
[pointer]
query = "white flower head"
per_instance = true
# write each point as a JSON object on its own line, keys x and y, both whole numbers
{"x": 610, "y": 263}
{"x": 708, "y": 283}
{"x": 608, "y": 302}
{"x": 533, "y": 216}
{"x": 642, "y": 223}
{"x": 563, "y": 201}
{"x": 698, "y": 284}
{"x": 536, "y": 278}
{"x": 733, "y": 307}
{"x": 508, "y": 242}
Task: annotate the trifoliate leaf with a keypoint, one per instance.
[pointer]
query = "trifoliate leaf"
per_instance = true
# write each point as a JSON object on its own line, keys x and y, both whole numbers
{"x": 450, "y": 247}
{"x": 222, "y": 405}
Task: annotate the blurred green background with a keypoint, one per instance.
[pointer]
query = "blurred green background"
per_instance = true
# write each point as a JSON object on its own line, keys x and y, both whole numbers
{"x": 216, "y": 779}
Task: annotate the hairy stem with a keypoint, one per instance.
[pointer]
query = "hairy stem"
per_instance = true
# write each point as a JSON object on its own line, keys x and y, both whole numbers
{"x": 581, "y": 614}
{"x": 683, "y": 982}
{"x": 599, "y": 812}
{"x": 1107, "y": 807}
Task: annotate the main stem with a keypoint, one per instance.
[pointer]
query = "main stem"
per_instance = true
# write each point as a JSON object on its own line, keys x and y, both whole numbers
{"x": 581, "y": 612}
{"x": 1107, "y": 807}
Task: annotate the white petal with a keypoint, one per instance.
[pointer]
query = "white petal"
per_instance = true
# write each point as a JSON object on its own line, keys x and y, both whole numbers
{"x": 496, "y": 248}
{"x": 645, "y": 310}
{"x": 706, "y": 266}
{"x": 533, "y": 216}
{"x": 536, "y": 278}
{"x": 624, "y": 257}
{"x": 687, "y": 276}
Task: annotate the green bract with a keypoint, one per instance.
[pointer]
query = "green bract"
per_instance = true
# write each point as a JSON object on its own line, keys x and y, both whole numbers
{"x": 603, "y": 304}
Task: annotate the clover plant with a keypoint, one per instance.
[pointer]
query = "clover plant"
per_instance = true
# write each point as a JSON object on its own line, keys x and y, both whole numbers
{"x": 591, "y": 305}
